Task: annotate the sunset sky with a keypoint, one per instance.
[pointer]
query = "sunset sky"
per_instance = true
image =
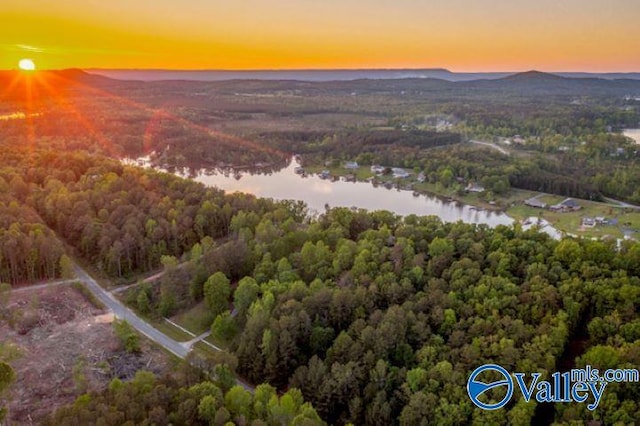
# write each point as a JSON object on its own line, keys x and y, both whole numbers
{"x": 462, "y": 35}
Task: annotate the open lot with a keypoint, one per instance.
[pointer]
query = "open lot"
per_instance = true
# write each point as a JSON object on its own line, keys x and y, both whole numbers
{"x": 60, "y": 346}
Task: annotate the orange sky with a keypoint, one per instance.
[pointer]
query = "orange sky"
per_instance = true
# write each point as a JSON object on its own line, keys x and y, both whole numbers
{"x": 462, "y": 35}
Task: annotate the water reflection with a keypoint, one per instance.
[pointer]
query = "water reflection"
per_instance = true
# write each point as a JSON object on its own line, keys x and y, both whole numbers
{"x": 316, "y": 193}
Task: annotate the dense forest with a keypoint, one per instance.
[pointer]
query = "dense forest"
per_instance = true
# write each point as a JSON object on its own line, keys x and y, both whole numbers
{"x": 29, "y": 251}
{"x": 347, "y": 145}
{"x": 379, "y": 320}
{"x": 121, "y": 218}
{"x": 147, "y": 400}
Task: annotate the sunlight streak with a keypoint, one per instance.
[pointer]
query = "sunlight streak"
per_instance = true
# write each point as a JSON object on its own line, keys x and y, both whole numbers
{"x": 66, "y": 104}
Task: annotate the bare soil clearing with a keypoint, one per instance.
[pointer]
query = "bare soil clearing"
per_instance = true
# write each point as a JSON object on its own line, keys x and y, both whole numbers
{"x": 67, "y": 347}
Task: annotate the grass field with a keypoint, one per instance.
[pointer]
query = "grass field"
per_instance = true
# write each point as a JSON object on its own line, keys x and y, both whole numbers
{"x": 219, "y": 343}
{"x": 197, "y": 320}
{"x": 171, "y": 331}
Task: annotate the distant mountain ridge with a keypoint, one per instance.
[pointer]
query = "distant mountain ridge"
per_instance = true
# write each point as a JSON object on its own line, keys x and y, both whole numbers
{"x": 92, "y": 75}
{"x": 334, "y": 75}
{"x": 533, "y": 75}
{"x": 533, "y": 83}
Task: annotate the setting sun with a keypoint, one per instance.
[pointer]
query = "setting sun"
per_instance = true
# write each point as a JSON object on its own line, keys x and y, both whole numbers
{"x": 26, "y": 65}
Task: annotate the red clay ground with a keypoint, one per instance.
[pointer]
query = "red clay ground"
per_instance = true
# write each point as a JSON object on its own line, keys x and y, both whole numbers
{"x": 66, "y": 347}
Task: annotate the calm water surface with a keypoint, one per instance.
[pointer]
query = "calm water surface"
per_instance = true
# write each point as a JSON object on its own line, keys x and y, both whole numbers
{"x": 316, "y": 193}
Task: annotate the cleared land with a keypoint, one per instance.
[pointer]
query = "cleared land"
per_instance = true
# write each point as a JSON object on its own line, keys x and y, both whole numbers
{"x": 61, "y": 346}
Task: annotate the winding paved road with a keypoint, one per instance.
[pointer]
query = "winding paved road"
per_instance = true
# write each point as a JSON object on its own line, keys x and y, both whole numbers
{"x": 122, "y": 312}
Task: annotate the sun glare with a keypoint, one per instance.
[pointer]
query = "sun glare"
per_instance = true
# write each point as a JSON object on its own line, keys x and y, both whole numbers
{"x": 26, "y": 65}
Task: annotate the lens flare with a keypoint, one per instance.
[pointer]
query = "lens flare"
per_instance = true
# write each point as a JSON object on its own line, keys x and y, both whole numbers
{"x": 26, "y": 65}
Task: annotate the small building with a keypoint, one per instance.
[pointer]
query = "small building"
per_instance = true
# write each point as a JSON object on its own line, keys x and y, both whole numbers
{"x": 535, "y": 202}
{"x": 421, "y": 177}
{"x": 601, "y": 220}
{"x": 567, "y": 205}
{"x": 474, "y": 187}
{"x": 399, "y": 173}
{"x": 588, "y": 222}
{"x": 377, "y": 169}
{"x": 351, "y": 165}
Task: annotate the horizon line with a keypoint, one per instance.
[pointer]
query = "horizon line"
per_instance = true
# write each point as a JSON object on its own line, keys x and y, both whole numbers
{"x": 346, "y": 69}
{"x": 276, "y": 70}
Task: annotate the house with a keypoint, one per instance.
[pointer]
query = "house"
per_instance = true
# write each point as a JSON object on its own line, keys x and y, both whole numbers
{"x": 535, "y": 202}
{"x": 588, "y": 222}
{"x": 351, "y": 165}
{"x": 399, "y": 173}
{"x": 474, "y": 187}
{"x": 568, "y": 205}
{"x": 601, "y": 220}
{"x": 421, "y": 177}
{"x": 377, "y": 169}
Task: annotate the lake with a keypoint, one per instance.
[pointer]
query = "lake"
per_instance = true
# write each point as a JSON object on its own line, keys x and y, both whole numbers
{"x": 633, "y": 134}
{"x": 316, "y": 193}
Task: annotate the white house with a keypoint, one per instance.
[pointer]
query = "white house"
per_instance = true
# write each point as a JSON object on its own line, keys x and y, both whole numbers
{"x": 377, "y": 169}
{"x": 399, "y": 173}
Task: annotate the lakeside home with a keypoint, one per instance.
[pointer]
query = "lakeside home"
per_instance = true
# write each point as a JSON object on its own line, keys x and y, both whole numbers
{"x": 351, "y": 165}
{"x": 399, "y": 173}
{"x": 567, "y": 205}
{"x": 377, "y": 169}
{"x": 474, "y": 187}
{"x": 535, "y": 202}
